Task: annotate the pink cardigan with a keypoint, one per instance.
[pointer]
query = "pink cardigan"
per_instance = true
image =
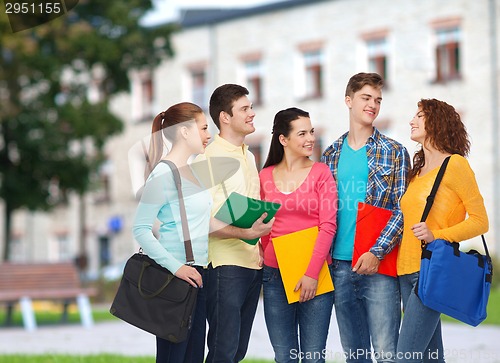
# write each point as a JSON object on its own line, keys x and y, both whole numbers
{"x": 314, "y": 203}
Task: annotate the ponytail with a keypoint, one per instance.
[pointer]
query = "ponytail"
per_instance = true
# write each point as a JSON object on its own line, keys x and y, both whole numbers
{"x": 276, "y": 151}
{"x": 155, "y": 152}
{"x": 165, "y": 125}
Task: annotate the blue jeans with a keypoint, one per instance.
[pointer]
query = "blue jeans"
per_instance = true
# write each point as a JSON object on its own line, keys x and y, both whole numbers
{"x": 284, "y": 321}
{"x": 192, "y": 350}
{"x": 420, "y": 339}
{"x": 368, "y": 311}
{"x": 232, "y": 298}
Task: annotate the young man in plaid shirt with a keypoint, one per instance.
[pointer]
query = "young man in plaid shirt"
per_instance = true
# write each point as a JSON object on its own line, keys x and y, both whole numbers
{"x": 368, "y": 167}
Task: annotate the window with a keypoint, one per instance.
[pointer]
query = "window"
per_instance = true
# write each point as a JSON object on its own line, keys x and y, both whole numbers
{"x": 143, "y": 95}
{"x": 18, "y": 249}
{"x": 318, "y": 147}
{"x": 147, "y": 96}
{"x": 448, "y": 54}
{"x": 377, "y": 56}
{"x": 59, "y": 247}
{"x": 256, "y": 150}
{"x": 383, "y": 124}
{"x": 253, "y": 74}
{"x": 103, "y": 182}
{"x": 198, "y": 87}
{"x": 147, "y": 90}
{"x": 313, "y": 74}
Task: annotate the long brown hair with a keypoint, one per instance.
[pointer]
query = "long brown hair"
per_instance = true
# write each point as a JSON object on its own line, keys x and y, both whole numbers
{"x": 282, "y": 125}
{"x": 444, "y": 129}
{"x": 167, "y": 121}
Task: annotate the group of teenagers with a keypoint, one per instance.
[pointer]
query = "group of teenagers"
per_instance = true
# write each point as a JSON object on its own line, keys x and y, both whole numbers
{"x": 363, "y": 165}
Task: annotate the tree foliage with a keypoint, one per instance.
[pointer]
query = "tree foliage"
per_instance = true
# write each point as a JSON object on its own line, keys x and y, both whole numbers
{"x": 56, "y": 80}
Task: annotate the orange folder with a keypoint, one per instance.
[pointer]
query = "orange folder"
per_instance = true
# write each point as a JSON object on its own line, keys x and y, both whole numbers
{"x": 370, "y": 222}
{"x": 294, "y": 252}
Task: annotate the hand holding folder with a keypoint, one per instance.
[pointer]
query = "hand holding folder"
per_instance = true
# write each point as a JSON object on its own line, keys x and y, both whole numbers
{"x": 370, "y": 222}
{"x": 241, "y": 211}
{"x": 294, "y": 252}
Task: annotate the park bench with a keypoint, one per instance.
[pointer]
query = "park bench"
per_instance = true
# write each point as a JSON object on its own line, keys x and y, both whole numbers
{"x": 25, "y": 282}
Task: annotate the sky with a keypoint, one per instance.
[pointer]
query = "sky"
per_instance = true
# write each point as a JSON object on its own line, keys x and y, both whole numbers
{"x": 168, "y": 10}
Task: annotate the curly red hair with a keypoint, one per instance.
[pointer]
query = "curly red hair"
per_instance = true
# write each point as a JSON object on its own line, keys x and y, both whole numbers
{"x": 445, "y": 131}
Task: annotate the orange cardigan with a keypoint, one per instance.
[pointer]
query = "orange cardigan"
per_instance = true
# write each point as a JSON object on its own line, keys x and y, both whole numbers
{"x": 457, "y": 195}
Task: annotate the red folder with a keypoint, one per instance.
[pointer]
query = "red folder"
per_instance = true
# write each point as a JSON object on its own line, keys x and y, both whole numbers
{"x": 370, "y": 222}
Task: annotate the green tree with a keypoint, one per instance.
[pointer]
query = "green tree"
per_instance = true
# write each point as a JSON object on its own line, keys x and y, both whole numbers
{"x": 51, "y": 134}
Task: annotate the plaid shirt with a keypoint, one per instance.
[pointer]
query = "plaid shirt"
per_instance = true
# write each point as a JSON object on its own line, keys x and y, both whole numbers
{"x": 388, "y": 165}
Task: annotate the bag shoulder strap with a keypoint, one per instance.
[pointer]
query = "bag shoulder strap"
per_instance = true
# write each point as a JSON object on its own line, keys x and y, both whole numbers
{"x": 185, "y": 229}
{"x": 430, "y": 198}
{"x": 489, "y": 275}
{"x": 430, "y": 201}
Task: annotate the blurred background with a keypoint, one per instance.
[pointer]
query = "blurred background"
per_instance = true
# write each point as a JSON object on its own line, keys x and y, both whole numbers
{"x": 79, "y": 93}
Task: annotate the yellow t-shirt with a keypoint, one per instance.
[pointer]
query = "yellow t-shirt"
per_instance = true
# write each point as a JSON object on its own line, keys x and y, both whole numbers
{"x": 244, "y": 180}
{"x": 457, "y": 195}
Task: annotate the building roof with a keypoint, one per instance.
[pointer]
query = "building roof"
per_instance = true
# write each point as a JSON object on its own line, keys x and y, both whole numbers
{"x": 201, "y": 17}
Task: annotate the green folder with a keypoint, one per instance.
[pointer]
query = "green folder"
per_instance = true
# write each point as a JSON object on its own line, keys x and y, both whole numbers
{"x": 241, "y": 211}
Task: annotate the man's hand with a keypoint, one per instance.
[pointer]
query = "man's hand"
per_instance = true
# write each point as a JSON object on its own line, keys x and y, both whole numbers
{"x": 367, "y": 264}
{"x": 261, "y": 255}
{"x": 224, "y": 230}
{"x": 259, "y": 228}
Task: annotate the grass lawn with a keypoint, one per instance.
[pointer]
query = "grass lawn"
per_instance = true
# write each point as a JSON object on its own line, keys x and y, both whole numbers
{"x": 101, "y": 358}
{"x": 52, "y": 315}
{"x": 100, "y": 313}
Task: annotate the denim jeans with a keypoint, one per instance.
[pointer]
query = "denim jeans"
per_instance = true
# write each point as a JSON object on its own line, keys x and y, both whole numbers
{"x": 368, "y": 311}
{"x": 420, "y": 339}
{"x": 284, "y": 322}
{"x": 232, "y": 298}
{"x": 192, "y": 350}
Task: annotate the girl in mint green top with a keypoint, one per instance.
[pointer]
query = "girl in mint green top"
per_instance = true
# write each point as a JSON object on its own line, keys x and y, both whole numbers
{"x": 160, "y": 201}
{"x": 185, "y": 126}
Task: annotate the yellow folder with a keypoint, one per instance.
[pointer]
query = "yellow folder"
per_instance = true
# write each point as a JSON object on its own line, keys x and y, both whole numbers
{"x": 294, "y": 252}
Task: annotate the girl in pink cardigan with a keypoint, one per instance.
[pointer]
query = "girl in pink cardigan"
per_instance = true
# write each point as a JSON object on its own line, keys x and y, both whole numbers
{"x": 307, "y": 193}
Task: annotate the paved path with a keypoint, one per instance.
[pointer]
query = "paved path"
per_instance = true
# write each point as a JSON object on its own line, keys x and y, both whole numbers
{"x": 463, "y": 344}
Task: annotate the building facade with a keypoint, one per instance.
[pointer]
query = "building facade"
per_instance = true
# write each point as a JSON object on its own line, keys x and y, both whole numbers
{"x": 298, "y": 53}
